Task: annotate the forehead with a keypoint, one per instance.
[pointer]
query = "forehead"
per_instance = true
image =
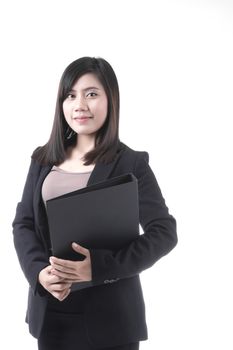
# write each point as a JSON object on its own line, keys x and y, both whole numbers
{"x": 87, "y": 80}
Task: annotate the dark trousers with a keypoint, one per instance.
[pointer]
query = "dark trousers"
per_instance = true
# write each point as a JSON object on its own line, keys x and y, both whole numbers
{"x": 67, "y": 332}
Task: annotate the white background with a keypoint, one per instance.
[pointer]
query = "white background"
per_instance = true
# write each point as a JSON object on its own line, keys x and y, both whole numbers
{"x": 173, "y": 60}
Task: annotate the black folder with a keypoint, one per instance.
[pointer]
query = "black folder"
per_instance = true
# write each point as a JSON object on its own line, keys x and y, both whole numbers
{"x": 104, "y": 215}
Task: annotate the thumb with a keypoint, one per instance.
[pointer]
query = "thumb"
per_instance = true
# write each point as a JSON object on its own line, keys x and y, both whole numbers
{"x": 79, "y": 249}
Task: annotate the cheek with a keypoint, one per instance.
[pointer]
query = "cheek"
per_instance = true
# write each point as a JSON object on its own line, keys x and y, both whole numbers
{"x": 103, "y": 113}
{"x": 66, "y": 110}
{"x": 103, "y": 110}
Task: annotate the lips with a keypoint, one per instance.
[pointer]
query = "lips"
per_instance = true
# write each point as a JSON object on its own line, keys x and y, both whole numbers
{"x": 82, "y": 120}
{"x": 82, "y": 117}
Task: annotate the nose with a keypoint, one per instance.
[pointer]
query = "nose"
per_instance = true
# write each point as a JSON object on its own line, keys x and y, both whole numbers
{"x": 80, "y": 104}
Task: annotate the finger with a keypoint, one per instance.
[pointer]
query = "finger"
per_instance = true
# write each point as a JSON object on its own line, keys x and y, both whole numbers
{"x": 48, "y": 269}
{"x": 76, "y": 279}
{"x": 55, "y": 278}
{"x": 64, "y": 275}
{"x": 79, "y": 249}
{"x": 61, "y": 264}
{"x": 60, "y": 287}
{"x": 58, "y": 295}
{"x": 61, "y": 271}
{"x": 56, "y": 285}
{"x": 61, "y": 295}
{"x": 66, "y": 295}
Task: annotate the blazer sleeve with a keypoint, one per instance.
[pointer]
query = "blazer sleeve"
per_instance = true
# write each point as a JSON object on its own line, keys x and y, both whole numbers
{"x": 29, "y": 247}
{"x": 158, "y": 238}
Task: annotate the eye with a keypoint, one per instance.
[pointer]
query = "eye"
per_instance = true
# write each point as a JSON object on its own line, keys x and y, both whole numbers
{"x": 91, "y": 94}
{"x": 70, "y": 96}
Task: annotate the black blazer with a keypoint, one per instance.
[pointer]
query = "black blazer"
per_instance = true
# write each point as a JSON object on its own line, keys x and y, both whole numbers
{"x": 115, "y": 312}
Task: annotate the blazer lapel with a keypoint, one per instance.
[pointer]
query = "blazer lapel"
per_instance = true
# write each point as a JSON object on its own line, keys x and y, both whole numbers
{"x": 102, "y": 171}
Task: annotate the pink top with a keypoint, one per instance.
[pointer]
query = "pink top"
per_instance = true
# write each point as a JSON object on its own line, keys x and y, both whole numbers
{"x": 59, "y": 182}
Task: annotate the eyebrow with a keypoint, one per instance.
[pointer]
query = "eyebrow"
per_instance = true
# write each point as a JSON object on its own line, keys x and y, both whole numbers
{"x": 86, "y": 89}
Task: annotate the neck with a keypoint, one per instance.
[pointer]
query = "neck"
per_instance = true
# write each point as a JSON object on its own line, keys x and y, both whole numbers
{"x": 85, "y": 143}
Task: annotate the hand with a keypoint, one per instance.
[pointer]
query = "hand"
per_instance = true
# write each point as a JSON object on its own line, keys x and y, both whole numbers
{"x": 55, "y": 285}
{"x": 73, "y": 271}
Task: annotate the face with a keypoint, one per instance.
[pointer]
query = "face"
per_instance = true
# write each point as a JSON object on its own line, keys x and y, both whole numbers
{"x": 86, "y": 105}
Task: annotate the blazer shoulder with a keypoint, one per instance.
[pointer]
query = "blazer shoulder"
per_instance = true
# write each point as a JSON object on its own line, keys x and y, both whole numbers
{"x": 34, "y": 153}
{"x": 133, "y": 154}
{"x": 35, "y": 166}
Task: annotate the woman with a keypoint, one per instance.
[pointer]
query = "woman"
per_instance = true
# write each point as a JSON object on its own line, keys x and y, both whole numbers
{"x": 84, "y": 148}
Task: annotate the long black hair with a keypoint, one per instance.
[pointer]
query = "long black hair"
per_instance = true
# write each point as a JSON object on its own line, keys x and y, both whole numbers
{"x": 62, "y": 136}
